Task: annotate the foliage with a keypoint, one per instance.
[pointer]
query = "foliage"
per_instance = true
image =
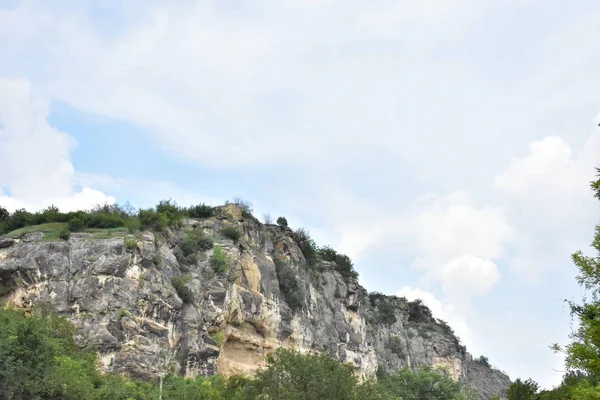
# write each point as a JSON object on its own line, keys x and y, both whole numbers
{"x": 180, "y": 285}
{"x": 152, "y": 220}
{"x": 386, "y": 312}
{"x": 130, "y": 242}
{"x": 106, "y": 216}
{"x": 307, "y": 245}
{"x": 522, "y": 390}
{"x": 4, "y": 214}
{"x": 289, "y": 284}
{"x": 200, "y": 211}
{"x": 39, "y": 358}
{"x": 282, "y": 221}
{"x": 396, "y": 346}
{"x": 64, "y": 234}
{"x": 219, "y": 260}
{"x": 483, "y": 360}
{"x": 426, "y": 383}
{"x": 231, "y": 232}
{"x": 171, "y": 211}
{"x": 218, "y": 337}
{"x": 419, "y": 312}
{"x": 193, "y": 242}
{"x": 293, "y": 376}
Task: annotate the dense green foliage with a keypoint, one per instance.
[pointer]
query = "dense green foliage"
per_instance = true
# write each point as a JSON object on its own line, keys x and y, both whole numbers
{"x": 4, "y": 214}
{"x": 180, "y": 285}
{"x": 166, "y": 213}
{"x": 187, "y": 250}
{"x": 200, "y": 211}
{"x": 343, "y": 263}
{"x": 219, "y": 260}
{"x": 39, "y": 360}
{"x": 231, "y": 232}
{"x": 427, "y": 383}
{"x": 282, "y": 221}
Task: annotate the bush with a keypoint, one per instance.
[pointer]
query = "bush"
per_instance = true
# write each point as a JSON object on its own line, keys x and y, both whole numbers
{"x": 4, "y": 214}
{"x": 152, "y": 220}
{"x": 327, "y": 253}
{"x": 282, "y": 221}
{"x": 307, "y": 246}
{"x": 343, "y": 263}
{"x": 231, "y": 232}
{"x": 130, "y": 243}
{"x": 219, "y": 260}
{"x": 205, "y": 243}
{"x": 291, "y": 375}
{"x": 483, "y": 360}
{"x": 194, "y": 241}
{"x": 64, "y": 234}
{"x": 419, "y": 312}
{"x": 132, "y": 224}
{"x": 396, "y": 346}
{"x": 386, "y": 312}
{"x": 18, "y": 219}
{"x": 180, "y": 285}
{"x": 289, "y": 285}
{"x": 218, "y": 337}
{"x": 200, "y": 211}
{"x": 77, "y": 223}
{"x": 170, "y": 209}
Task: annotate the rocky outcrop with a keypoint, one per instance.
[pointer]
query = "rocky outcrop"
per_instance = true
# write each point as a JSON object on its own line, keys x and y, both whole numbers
{"x": 119, "y": 293}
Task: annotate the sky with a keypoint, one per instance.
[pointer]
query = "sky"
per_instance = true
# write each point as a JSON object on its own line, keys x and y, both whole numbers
{"x": 445, "y": 145}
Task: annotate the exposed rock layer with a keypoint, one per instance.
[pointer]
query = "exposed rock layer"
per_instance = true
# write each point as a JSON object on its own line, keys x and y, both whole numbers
{"x": 122, "y": 300}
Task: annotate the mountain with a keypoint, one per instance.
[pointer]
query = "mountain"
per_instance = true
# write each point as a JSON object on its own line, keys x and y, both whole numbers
{"x": 216, "y": 295}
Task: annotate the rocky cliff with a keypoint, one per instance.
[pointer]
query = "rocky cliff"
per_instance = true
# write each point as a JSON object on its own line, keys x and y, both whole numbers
{"x": 153, "y": 303}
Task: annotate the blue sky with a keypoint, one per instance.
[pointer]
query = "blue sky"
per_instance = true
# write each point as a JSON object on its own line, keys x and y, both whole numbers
{"x": 446, "y": 145}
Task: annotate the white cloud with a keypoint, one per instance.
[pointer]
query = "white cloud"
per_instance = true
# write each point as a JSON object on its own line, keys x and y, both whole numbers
{"x": 35, "y": 161}
{"x": 443, "y": 310}
{"x": 551, "y": 205}
{"x": 468, "y": 276}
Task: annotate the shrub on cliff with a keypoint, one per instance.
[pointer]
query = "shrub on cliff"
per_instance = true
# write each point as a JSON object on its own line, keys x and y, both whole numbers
{"x": 200, "y": 211}
{"x": 282, "y": 221}
{"x": 231, "y": 232}
{"x": 219, "y": 260}
{"x": 343, "y": 263}
{"x": 307, "y": 245}
{"x": 180, "y": 285}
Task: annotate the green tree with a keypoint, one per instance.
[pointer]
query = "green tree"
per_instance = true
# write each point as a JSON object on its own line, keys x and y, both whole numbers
{"x": 282, "y": 221}
{"x": 293, "y": 376}
{"x": 522, "y": 390}
{"x": 427, "y": 383}
{"x": 583, "y": 353}
{"x": 4, "y": 214}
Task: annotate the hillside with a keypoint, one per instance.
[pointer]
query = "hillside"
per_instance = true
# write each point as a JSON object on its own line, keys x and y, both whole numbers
{"x": 217, "y": 294}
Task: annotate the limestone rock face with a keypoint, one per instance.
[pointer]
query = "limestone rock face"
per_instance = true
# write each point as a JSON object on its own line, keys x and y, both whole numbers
{"x": 122, "y": 300}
